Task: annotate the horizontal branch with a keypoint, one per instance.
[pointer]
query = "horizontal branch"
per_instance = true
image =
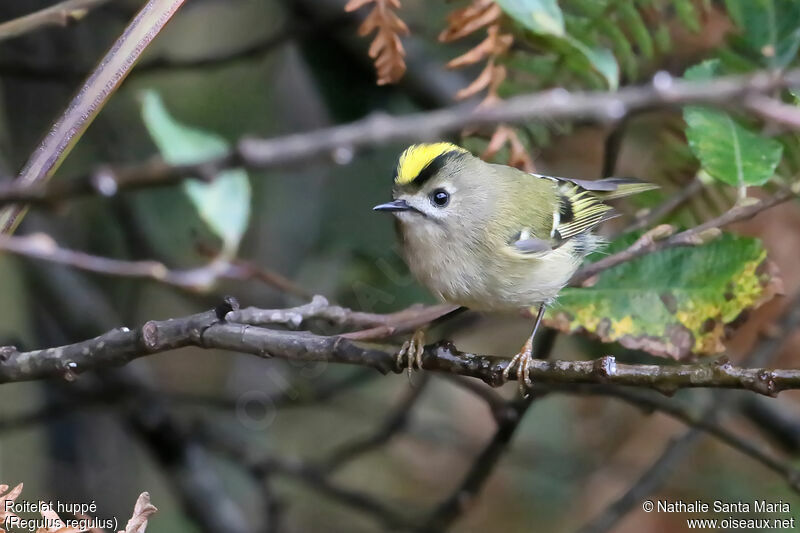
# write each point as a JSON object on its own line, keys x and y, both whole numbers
{"x": 338, "y": 143}
{"x": 60, "y": 14}
{"x": 211, "y": 330}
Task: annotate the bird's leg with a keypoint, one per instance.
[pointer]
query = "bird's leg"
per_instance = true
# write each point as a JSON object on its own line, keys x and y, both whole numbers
{"x": 524, "y": 358}
{"x": 412, "y": 351}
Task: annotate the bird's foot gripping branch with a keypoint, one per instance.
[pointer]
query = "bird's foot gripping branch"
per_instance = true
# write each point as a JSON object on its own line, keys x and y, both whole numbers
{"x": 223, "y": 328}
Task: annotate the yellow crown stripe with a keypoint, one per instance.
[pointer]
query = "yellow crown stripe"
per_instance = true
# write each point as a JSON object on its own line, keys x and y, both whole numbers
{"x": 418, "y": 156}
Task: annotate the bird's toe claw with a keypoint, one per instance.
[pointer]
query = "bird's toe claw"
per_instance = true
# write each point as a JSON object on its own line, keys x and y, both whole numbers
{"x": 411, "y": 352}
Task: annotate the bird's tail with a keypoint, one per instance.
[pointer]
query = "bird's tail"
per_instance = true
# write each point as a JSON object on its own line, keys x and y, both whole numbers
{"x": 582, "y": 202}
{"x": 611, "y": 188}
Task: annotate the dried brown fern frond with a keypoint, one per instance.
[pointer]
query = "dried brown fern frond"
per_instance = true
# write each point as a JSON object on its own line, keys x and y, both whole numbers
{"x": 141, "y": 513}
{"x": 7, "y": 496}
{"x": 462, "y": 22}
{"x": 386, "y": 49}
{"x": 56, "y": 525}
{"x": 465, "y": 21}
{"x": 137, "y": 524}
{"x": 517, "y": 153}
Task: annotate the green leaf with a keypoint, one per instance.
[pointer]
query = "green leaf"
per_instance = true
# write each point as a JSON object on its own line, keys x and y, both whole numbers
{"x": 635, "y": 24}
{"x": 687, "y": 14}
{"x": 223, "y": 204}
{"x": 663, "y": 39}
{"x": 675, "y": 302}
{"x": 770, "y": 29}
{"x": 544, "y": 17}
{"x": 702, "y": 71}
{"x": 622, "y": 47}
{"x": 540, "y": 16}
{"x": 600, "y": 59}
{"x": 727, "y": 150}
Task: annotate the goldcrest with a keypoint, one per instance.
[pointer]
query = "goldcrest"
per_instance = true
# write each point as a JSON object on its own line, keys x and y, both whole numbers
{"x": 491, "y": 237}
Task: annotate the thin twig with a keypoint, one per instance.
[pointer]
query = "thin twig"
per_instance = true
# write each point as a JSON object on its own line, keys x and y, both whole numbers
{"x": 773, "y": 110}
{"x": 695, "y": 419}
{"x": 205, "y": 278}
{"x": 496, "y": 403}
{"x": 394, "y": 423}
{"x": 669, "y": 206}
{"x": 319, "y": 308}
{"x": 649, "y": 482}
{"x": 91, "y": 399}
{"x": 656, "y": 475}
{"x": 508, "y": 420}
{"x": 60, "y": 14}
{"x": 262, "y": 468}
{"x": 465, "y": 493}
{"x": 653, "y": 242}
{"x": 339, "y": 142}
{"x": 779, "y": 423}
{"x": 202, "y": 279}
{"x": 87, "y": 103}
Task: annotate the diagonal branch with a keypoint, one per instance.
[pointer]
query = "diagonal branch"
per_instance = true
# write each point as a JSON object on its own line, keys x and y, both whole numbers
{"x": 661, "y": 238}
{"x": 700, "y": 419}
{"x": 508, "y": 420}
{"x": 87, "y": 103}
{"x": 314, "y": 478}
{"x": 652, "y": 478}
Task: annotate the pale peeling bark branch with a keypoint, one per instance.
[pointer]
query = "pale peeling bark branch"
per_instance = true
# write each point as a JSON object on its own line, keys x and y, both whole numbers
{"x": 61, "y": 14}
{"x": 339, "y": 142}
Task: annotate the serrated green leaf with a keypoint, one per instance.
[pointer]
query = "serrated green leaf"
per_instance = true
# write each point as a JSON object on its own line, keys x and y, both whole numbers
{"x": 676, "y": 302}
{"x": 223, "y": 204}
{"x": 727, "y": 150}
{"x": 770, "y": 29}
{"x": 540, "y": 16}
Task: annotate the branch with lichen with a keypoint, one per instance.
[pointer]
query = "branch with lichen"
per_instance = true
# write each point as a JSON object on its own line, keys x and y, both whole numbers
{"x": 213, "y": 329}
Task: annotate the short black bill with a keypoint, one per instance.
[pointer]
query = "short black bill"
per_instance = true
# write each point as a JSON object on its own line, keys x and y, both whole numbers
{"x": 393, "y": 206}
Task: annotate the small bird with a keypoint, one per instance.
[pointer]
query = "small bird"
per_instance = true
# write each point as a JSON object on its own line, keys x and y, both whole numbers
{"x": 491, "y": 237}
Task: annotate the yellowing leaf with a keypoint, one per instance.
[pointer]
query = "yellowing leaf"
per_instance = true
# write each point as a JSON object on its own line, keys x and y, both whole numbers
{"x": 678, "y": 302}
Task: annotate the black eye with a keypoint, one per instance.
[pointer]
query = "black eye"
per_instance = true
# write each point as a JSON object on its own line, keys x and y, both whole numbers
{"x": 440, "y": 197}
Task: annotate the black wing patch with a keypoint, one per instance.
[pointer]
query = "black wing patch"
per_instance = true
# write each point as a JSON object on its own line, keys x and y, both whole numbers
{"x": 579, "y": 212}
{"x": 580, "y": 208}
